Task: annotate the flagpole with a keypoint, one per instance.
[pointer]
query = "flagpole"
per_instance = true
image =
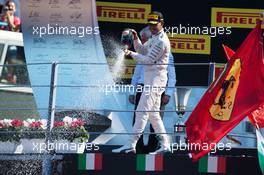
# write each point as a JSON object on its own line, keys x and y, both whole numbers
{"x": 257, "y": 126}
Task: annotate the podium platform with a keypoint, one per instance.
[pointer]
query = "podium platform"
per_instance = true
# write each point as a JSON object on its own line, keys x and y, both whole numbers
{"x": 237, "y": 161}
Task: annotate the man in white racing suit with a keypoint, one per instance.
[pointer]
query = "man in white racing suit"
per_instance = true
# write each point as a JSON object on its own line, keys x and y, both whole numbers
{"x": 152, "y": 143}
{"x": 155, "y": 55}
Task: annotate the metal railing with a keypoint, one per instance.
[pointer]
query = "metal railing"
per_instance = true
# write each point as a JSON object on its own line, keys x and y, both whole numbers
{"x": 52, "y": 96}
{"x": 53, "y": 85}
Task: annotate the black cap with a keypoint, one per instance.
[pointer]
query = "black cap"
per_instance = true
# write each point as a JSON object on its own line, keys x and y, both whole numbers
{"x": 155, "y": 17}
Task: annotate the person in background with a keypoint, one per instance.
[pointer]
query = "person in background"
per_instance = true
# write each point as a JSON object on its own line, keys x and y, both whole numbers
{"x": 138, "y": 80}
{"x": 8, "y": 19}
{"x": 9, "y": 72}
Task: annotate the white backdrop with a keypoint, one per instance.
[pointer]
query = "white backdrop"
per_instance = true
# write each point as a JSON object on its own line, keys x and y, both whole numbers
{"x": 70, "y": 49}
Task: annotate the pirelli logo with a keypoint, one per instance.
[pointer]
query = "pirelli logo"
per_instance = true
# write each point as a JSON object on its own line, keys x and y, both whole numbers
{"x": 191, "y": 44}
{"x": 122, "y": 12}
{"x": 235, "y": 18}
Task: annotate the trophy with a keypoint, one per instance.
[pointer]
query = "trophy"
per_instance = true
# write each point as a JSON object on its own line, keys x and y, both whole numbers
{"x": 181, "y": 99}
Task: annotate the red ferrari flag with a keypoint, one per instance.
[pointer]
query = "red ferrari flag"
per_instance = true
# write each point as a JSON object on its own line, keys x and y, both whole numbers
{"x": 257, "y": 116}
{"x": 236, "y": 93}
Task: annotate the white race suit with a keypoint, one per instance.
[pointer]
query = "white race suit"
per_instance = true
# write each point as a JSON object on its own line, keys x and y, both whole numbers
{"x": 154, "y": 53}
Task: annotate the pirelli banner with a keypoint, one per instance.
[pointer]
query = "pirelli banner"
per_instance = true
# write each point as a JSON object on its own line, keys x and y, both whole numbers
{"x": 190, "y": 44}
{"x": 122, "y": 12}
{"x": 235, "y": 17}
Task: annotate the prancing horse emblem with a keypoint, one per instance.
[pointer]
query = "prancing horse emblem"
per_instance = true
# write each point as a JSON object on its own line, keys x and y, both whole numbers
{"x": 223, "y": 104}
{"x": 222, "y": 100}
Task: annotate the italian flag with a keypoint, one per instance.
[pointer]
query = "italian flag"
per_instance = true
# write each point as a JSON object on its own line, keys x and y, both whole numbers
{"x": 260, "y": 150}
{"x": 212, "y": 164}
{"x": 90, "y": 161}
{"x": 149, "y": 162}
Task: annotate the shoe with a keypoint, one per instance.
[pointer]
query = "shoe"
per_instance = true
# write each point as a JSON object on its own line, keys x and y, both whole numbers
{"x": 162, "y": 150}
{"x": 125, "y": 149}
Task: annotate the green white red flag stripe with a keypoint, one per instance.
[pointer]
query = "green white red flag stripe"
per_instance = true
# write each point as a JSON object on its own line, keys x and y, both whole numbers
{"x": 90, "y": 161}
{"x": 149, "y": 162}
{"x": 212, "y": 164}
{"x": 260, "y": 141}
